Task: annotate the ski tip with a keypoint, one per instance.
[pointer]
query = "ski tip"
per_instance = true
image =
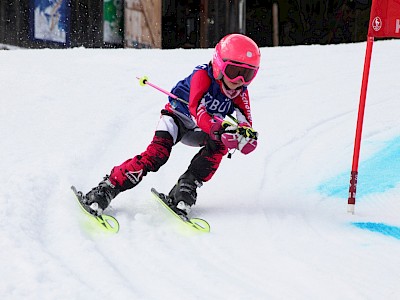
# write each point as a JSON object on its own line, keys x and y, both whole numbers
{"x": 197, "y": 224}
{"x": 109, "y": 223}
{"x": 200, "y": 224}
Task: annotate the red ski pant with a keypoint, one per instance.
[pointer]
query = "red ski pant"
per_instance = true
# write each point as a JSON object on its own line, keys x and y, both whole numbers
{"x": 203, "y": 165}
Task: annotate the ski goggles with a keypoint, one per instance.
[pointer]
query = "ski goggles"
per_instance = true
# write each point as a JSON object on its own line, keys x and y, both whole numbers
{"x": 235, "y": 71}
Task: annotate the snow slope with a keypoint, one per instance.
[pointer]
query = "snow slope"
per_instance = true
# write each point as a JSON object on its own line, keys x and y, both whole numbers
{"x": 278, "y": 216}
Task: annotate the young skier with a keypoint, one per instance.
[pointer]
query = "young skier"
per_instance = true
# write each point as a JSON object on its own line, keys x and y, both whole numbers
{"x": 212, "y": 91}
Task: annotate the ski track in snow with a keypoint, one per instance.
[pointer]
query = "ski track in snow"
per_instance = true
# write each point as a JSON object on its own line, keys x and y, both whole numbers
{"x": 69, "y": 116}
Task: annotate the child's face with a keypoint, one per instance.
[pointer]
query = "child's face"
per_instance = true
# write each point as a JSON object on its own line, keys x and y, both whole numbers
{"x": 233, "y": 85}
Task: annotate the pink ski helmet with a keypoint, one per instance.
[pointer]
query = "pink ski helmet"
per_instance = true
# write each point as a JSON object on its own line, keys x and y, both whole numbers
{"x": 239, "y": 50}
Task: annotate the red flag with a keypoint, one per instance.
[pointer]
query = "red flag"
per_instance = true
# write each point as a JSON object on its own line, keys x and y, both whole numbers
{"x": 384, "y": 19}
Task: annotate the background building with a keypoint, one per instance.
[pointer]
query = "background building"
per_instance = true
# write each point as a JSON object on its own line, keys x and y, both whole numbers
{"x": 179, "y": 23}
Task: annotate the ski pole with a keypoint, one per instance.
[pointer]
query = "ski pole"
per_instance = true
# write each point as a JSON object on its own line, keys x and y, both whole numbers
{"x": 144, "y": 80}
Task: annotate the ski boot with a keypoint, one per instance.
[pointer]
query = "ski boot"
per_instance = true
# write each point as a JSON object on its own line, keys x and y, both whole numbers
{"x": 100, "y": 196}
{"x": 183, "y": 195}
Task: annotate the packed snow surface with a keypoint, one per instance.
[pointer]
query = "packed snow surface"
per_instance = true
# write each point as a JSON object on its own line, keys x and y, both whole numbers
{"x": 279, "y": 222}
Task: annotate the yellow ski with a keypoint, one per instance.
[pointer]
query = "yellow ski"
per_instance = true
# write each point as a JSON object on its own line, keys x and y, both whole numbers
{"x": 106, "y": 222}
{"x": 194, "y": 223}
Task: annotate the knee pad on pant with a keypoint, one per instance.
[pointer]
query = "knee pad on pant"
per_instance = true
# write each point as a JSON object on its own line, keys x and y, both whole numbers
{"x": 207, "y": 160}
{"x": 132, "y": 171}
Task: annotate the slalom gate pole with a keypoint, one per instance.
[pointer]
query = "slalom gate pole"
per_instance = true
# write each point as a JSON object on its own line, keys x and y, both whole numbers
{"x": 145, "y": 81}
{"x": 357, "y": 143}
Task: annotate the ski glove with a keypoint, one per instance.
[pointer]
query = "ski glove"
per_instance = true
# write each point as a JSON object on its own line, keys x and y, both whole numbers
{"x": 246, "y": 144}
{"x": 216, "y": 129}
{"x": 220, "y": 127}
{"x": 248, "y": 139}
{"x": 239, "y": 137}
